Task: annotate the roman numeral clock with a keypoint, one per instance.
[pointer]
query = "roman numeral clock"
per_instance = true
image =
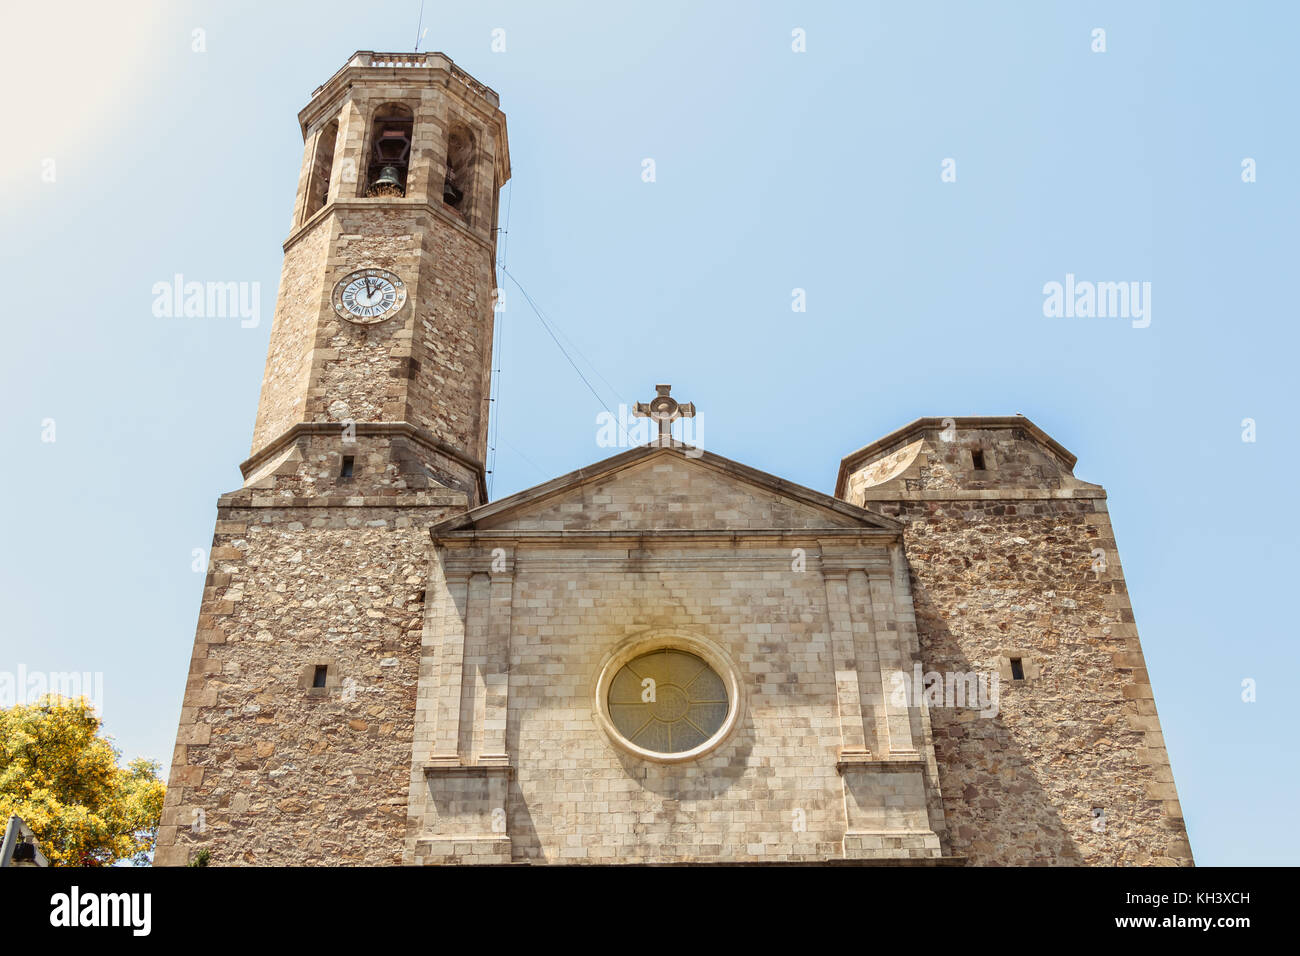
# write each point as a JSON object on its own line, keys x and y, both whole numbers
{"x": 369, "y": 296}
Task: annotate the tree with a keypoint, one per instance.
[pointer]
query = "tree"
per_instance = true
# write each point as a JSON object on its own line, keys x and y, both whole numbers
{"x": 63, "y": 779}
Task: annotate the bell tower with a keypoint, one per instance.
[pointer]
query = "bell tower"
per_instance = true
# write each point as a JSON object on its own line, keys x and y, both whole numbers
{"x": 378, "y": 371}
{"x": 372, "y": 426}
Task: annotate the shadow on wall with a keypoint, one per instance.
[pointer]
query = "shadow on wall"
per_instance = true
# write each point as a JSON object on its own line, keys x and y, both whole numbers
{"x": 995, "y": 809}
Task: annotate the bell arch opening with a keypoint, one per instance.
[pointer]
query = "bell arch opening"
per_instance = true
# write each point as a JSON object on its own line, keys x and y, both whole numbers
{"x": 458, "y": 183}
{"x": 322, "y": 166}
{"x": 390, "y": 150}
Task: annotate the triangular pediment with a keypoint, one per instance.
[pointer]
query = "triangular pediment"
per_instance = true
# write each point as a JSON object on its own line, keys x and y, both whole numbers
{"x": 667, "y": 488}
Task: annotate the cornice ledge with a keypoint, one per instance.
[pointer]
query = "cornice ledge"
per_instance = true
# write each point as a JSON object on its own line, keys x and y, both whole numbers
{"x": 403, "y": 429}
{"x": 400, "y": 205}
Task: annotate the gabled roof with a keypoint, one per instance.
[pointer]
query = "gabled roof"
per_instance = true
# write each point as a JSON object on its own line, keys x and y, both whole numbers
{"x": 496, "y": 513}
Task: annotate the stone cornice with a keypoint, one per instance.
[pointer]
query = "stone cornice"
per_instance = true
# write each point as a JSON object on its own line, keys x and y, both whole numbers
{"x": 451, "y": 766}
{"x": 402, "y": 429}
{"x": 402, "y": 501}
{"x": 397, "y": 206}
{"x": 743, "y": 536}
{"x": 983, "y": 494}
{"x": 867, "y": 764}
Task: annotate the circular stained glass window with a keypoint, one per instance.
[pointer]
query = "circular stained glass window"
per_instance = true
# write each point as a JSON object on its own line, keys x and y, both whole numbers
{"x": 667, "y": 701}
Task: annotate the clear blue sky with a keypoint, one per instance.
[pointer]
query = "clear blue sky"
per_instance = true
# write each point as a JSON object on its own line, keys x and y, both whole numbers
{"x": 775, "y": 171}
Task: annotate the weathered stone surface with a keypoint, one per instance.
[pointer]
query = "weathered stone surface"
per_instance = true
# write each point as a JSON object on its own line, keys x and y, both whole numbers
{"x": 386, "y": 669}
{"x": 1008, "y": 561}
{"x": 352, "y": 600}
{"x": 686, "y": 549}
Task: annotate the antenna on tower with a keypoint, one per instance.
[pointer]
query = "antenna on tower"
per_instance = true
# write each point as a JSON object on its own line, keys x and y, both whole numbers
{"x": 419, "y": 23}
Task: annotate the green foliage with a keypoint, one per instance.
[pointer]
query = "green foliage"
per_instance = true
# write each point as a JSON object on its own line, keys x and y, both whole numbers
{"x": 63, "y": 779}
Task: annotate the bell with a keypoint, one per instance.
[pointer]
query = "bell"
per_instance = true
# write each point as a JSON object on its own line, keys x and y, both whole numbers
{"x": 389, "y": 176}
{"x": 450, "y": 194}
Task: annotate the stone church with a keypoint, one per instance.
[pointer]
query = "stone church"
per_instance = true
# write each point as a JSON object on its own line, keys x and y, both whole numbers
{"x": 664, "y": 657}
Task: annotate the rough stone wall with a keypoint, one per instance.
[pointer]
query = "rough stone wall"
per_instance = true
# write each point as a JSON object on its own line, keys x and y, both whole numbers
{"x": 1003, "y": 565}
{"x": 266, "y": 769}
{"x": 361, "y": 370}
{"x": 449, "y": 384}
{"x": 289, "y": 354}
{"x": 385, "y": 464}
{"x": 429, "y": 365}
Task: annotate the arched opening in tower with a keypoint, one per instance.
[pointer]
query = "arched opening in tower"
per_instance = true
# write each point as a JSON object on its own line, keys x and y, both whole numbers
{"x": 390, "y": 151}
{"x": 460, "y": 168}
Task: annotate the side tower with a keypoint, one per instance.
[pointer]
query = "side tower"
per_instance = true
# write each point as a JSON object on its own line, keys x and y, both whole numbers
{"x": 1015, "y": 570}
{"x": 295, "y": 733}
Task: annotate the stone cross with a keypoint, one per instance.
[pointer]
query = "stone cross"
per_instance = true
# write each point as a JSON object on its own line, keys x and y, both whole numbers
{"x": 665, "y": 410}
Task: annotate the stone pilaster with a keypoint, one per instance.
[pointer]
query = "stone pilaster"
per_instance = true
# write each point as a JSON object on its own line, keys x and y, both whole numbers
{"x": 460, "y": 786}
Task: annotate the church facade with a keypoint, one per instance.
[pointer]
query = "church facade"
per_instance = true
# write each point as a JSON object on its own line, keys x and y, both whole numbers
{"x": 664, "y": 657}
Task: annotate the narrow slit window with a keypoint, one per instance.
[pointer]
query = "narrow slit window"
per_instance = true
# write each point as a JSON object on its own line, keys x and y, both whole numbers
{"x": 1017, "y": 669}
{"x": 977, "y": 459}
{"x": 346, "y": 472}
{"x": 318, "y": 678}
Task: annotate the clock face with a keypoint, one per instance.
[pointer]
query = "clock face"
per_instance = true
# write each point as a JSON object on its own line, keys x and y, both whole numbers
{"x": 368, "y": 296}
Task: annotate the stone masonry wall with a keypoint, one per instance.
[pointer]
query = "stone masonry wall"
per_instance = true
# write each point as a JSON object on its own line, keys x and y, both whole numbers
{"x": 430, "y": 365}
{"x": 667, "y": 548}
{"x": 386, "y": 464}
{"x": 266, "y": 769}
{"x": 289, "y": 357}
{"x": 308, "y": 567}
{"x": 1010, "y": 569}
{"x": 577, "y": 797}
{"x": 450, "y": 381}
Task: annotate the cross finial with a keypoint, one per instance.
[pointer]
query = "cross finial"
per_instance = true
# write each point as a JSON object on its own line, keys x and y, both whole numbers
{"x": 665, "y": 410}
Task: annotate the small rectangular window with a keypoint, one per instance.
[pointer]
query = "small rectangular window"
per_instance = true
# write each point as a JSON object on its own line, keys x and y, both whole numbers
{"x": 318, "y": 678}
{"x": 1017, "y": 669}
{"x": 977, "y": 459}
{"x": 347, "y": 467}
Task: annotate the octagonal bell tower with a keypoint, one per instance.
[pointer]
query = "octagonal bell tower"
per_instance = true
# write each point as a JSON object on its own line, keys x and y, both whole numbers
{"x": 378, "y": 371}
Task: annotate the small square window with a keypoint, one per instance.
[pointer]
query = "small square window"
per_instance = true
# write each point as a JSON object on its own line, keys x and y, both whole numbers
{"x": 347, "y": 467}
{"x": 318, "y": 677}
{"x": 1017, "y": 669}
{"x": 977, "y": 459}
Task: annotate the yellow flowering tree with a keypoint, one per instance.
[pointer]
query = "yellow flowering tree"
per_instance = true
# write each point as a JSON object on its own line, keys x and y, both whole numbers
{"x": 63, "y": 779}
